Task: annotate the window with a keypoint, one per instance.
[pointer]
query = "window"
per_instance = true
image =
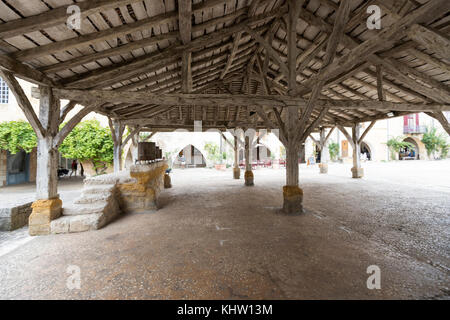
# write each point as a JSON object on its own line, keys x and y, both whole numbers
{"x": 4, "y": 92}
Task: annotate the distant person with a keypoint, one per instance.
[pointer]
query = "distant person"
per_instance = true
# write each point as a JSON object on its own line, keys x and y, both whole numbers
{"x": 74, "y": 168}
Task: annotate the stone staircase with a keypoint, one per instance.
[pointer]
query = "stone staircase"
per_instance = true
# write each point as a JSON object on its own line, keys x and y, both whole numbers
{"x": 97, "y": 206}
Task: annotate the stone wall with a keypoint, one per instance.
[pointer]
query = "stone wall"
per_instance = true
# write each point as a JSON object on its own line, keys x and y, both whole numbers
{"x": 140, "y": 191}
{"x": 105, "y": 197}
{"x": 13, "y": 218}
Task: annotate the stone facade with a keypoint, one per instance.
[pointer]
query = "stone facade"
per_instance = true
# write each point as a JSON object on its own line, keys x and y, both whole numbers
{"x": 13, "y": 218}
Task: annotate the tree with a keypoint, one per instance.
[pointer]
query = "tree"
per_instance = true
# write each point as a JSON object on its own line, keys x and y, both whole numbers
{"x": 434, "y": 142}
{"x": 333, "y": 149}
{"x": 16, "y": 136}
{"x": 88, "y": 141}
{"x": 213, "y": 152}
{"x": 396, "y": 144}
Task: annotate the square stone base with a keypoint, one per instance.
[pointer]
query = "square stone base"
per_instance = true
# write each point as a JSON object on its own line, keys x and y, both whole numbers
{"x": 323, "y": 167}
{"x": 249, "y": 178}
{"x": 236, "y": 173}
{"x": 44, "y": 211}
{"x": 292, "y": 200}
{"x": 357, "y": 173}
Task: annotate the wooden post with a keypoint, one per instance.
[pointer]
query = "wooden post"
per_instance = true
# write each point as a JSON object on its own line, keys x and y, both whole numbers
{"x": 249, "y": 179}
{"x": 46, "y": 126}
{"x": 323, "y": 152}
{"x": 117, "y": 129}
{"x": 357, "y": 171}
{"x": 236, "y": 169}
{"x": 48, "y": 205}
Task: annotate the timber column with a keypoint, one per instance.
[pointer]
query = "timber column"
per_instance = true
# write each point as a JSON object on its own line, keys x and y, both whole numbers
{"x": 248, "y": 163}
{"x": 236, "y": 169}
{"x": 323, "y": 152}
{"x": 48, "y": 207}
{"x": 292, "y": 194}
{"x": 357, "y": 170}
{"x": 117, "y": 130}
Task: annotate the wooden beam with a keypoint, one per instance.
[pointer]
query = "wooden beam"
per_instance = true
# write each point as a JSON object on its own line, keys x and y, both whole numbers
{"x": 380, "y": 91}
{"x": 185, "y": 20}
{"x": 333, "y": 41}
{"x": 23, "y": 71}
{"x": 131, "y": 135}
{"x": 430, "y": 39}
{"x": 346, "y": 134}
{"x": 68, "y": 127}
{"x": 116, "y": 51}
{"x": 93, "y": 38}
{"x": 65, "y": 111}
{"x": 366, "y": 131}
{"x": 109, "y": 75}
{"x": 378, "y": 41}
{"x": 269, "y": 49}
{"x": 236, "y": 40}
{"x": 24, "y": 103}
{"x": 185, "y": 29}
{"x": 229, "y": 100}
{"x": 56, "y": 17}
{"x": 186, "y": 72}
{"x": 439, "y": 116}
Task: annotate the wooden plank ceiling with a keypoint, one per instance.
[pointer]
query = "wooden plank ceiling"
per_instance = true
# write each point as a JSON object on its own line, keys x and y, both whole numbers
{"x": 231, "y": 47}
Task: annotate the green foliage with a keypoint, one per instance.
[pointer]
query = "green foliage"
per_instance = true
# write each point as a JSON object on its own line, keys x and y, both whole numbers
{"x": 213, "y": 152}
{"x": 434, "y": 142}
{"x": 88, "y": 141}
{"x": 16, "y": 136}
{"x": 283, "y": 152}
{"x": 333, "y": 149}
{"x": 396, "y": 144}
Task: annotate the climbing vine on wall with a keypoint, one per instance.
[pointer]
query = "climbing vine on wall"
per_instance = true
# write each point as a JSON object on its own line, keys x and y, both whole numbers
{"x": 89, "y": 141}
{"x": 16, "y": 136}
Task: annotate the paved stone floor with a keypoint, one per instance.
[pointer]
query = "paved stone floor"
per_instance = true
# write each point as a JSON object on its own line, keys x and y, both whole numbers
{"x": 215, "y": 238}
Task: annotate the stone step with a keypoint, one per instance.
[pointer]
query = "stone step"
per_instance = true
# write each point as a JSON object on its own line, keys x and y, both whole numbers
{"x": 83, "y": 209}
{"x": 99, "y": 188}
{"x": 71, "y": 224}
{"x": 92, "y": 198}
{"x": 101, "y": 180}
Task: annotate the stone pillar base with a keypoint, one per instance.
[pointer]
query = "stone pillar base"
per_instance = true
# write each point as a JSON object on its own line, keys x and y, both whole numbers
{"x": 323, "y": 167}
{"x": 44, "y": 211}
{"x": 292, "y": 200}
{"x": 249, "y": 178}
{"x": 357, "y": 173}
{"x": 236, "y": 173}
{"x": 167, "y": 182}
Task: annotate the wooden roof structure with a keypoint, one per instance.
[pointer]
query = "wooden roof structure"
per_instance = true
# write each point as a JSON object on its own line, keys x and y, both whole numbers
{"x": 166, "y": 63}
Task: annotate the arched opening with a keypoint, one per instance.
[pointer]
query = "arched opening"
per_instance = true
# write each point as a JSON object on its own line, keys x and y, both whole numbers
{"x": 366, "y": 152}
{"x": 410, "y": 153}
{"x": 189, "y": 157}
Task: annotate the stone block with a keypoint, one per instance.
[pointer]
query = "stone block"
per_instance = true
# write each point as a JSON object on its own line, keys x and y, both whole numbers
{"x": 167, "y": 181}
{"x": 323, "y": 168}
{"x": 249, "y": 178}
{"x": 357, "y": 173}
{"x": 44, "y": 211}
{"x": 14, "y": 217}
{"x": 236, "y": 173}
{"x": 292, "y": 200}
